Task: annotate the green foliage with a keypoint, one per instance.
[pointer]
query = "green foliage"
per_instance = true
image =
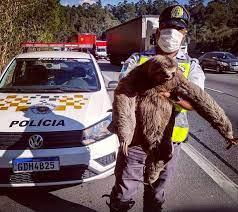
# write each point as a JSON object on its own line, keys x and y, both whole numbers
{"x": 92, "y": 19}
{"x": 213, "y": 26}
{"x": 194, "y": 3}
{"x": 26, "y": 20}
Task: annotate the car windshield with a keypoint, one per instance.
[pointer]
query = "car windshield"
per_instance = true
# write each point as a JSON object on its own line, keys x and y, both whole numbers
{"x": 226, "y": 56}
{"x": 50, "y": 74}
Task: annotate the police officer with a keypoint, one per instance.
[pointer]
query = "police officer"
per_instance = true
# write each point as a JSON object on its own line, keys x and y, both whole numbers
{"x": 173, "y": 25}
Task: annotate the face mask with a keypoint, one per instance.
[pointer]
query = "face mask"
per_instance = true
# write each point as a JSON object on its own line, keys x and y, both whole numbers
{"x": 170, "y": 40}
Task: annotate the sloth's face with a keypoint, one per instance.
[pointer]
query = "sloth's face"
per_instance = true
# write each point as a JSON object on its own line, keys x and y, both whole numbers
{"x": 163, "y": 74}
{"x": 162, "y": 69}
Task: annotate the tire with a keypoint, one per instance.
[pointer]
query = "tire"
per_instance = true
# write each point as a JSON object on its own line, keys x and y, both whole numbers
{"x": 218, "y": 69}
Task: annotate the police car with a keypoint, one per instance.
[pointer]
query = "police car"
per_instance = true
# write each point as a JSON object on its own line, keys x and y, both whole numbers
{"x": 54, "y": 110}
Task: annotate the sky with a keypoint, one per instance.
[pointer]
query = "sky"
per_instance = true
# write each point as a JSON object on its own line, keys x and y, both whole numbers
{"x": 104, "y": 2}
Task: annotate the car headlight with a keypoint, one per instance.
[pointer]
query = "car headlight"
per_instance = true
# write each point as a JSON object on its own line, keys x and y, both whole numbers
{"x": 224, "y": 64}
{"x": 97, "y": 132}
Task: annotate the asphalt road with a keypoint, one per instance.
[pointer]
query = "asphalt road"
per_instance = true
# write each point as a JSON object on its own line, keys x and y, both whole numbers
{"x": 205, "y": 180}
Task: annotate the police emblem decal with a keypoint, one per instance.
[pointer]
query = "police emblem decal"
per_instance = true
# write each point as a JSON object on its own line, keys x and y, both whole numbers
{"x": 177, "y": 12}
{"x": 43, "y": 108}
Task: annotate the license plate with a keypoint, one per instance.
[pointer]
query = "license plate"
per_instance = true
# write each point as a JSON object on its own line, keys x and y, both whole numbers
{"x": 36, "y": 164}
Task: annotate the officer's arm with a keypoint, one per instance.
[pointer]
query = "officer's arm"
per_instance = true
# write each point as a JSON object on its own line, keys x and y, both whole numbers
{"x": 129, "y": 65}
{"x": 183, "y": 103}
{"x": 196, "y": 76}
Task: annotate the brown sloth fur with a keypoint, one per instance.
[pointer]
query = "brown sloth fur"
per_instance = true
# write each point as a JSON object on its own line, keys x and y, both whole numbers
{"x": 143, "y": 116}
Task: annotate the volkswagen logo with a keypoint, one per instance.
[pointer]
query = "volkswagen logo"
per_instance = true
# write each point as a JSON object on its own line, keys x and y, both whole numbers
{"x": 35, "y": 141}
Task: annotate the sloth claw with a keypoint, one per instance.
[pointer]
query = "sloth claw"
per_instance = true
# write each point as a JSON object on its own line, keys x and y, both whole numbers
{"x": 124, "y": 148}
{"x": 233, "y": 141}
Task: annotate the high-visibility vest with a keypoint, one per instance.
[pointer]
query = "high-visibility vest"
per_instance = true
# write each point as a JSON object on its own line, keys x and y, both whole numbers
{"x": 181, "y": 127}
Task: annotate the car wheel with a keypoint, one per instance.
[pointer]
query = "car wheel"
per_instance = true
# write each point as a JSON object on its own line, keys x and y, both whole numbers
{"x": 218, "y": 69}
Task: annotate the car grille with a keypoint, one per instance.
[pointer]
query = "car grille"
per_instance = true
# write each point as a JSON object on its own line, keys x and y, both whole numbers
{"x": 106, "y": 160}
{"x": 59, "y": 139}
{"x": 68, "y": 173}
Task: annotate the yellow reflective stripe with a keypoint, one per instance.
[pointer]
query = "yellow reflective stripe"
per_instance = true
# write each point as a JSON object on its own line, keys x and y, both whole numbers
{"x": 180, "y": 109}
{"x": 183, "y": 110}
{"x": 179, "y": 134}
{"x": 185, "y": 67}
{"x": 143, "y": 59}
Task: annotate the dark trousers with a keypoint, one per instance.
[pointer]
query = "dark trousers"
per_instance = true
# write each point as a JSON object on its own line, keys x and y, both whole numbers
{"x": 129, "y": 173}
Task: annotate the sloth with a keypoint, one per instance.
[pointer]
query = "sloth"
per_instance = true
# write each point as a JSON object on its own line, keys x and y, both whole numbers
{"x": 142, "y": 115}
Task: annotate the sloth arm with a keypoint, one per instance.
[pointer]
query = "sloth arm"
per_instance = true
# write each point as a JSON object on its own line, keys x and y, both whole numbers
{"x": 124, "y": 107}
{"x": 205, "y": 106}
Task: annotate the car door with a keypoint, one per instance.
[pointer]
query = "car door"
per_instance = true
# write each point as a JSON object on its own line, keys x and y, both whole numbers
{"x": 213, "y": 61}
{"x": 206, "y": 60}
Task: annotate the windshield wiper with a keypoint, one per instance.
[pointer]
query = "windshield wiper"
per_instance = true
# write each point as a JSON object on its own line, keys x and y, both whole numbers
{"x": 30, "y": 90}
{"x": 15, "y": 90}
{"x": 75, "y": 89}
{"x": 63, "y": 89}
{"x": 46, "y": 90}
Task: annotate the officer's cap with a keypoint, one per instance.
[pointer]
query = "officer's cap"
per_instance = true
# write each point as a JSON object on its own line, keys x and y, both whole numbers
{"x": 175, "y": 15}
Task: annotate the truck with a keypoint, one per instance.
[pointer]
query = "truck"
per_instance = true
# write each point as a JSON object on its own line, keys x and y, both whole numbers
{"x": 82, "y": 42}
{"x": 133, "y": 36}
{"x": 86, "y": 40}
{"x": 101, "y": 49}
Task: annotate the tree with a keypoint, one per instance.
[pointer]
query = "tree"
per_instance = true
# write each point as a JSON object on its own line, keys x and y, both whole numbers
{"x": 194, "y": 3}
{"x": 125, "y": 11}
{"x": 26, "y": 20}
{"x": 141, "y": 8}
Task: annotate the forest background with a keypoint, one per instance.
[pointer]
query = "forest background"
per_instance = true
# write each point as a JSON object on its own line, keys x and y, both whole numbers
{"x": 214, "y": 25}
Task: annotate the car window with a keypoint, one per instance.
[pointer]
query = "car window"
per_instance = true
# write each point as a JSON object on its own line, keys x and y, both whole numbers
{"x": 230, "y": 56}
{"x": 51, "y": 73}
{"x": 11, "y": 69}
{"x": 220, "y": 55}
{"x": 225, "y": 55}
{"x": 213, "y": 55}
{"x": 207, "y": 55}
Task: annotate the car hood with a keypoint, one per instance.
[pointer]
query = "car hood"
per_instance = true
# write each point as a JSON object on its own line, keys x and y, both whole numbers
{"x": 52, "y": 112}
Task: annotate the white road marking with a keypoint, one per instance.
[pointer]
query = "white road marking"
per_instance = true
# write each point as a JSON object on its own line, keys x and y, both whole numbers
{"x": 221, "y": 92}
{"x": 219, "y": 177}
{"x": 214, "y": 90}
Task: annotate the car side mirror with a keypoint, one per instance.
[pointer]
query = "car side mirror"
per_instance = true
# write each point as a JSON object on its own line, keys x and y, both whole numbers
{"x": 112, "y": 85}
